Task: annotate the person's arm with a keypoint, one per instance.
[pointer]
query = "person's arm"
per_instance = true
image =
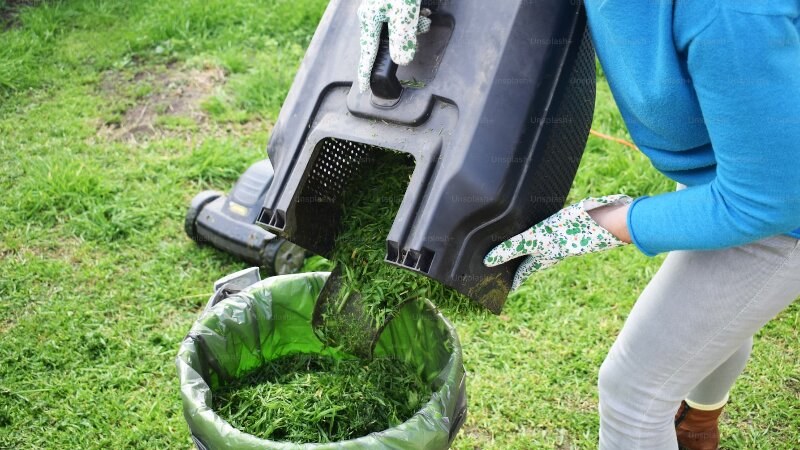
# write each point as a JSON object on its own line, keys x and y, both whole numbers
{"x": 613, "y": 218}
{"x": 746, "y": 71}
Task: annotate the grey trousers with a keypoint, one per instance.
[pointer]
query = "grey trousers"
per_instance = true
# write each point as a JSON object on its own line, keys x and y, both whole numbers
{"x": 689, "y": 335}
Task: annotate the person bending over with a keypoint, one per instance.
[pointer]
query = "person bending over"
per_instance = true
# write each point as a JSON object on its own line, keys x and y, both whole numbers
{"x": 710, "y": 92}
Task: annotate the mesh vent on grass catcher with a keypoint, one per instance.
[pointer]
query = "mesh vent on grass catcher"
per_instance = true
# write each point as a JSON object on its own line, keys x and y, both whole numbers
{"x": 338, "y": 161}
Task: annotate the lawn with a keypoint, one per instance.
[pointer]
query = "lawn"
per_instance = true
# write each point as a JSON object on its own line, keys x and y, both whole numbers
{"x": 114, "y": 113}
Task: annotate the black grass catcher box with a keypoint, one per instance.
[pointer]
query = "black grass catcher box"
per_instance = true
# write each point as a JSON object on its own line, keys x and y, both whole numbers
{"x": 494, "y": 112}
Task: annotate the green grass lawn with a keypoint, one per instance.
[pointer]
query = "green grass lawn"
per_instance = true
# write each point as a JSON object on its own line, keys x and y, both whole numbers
{"x": 114, "y": 113}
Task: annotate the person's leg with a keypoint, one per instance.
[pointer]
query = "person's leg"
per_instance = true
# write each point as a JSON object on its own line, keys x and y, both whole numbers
{"x": 697, "y": 418}
{"x": 699, "y": 309}
{"x": 712, "y": 392}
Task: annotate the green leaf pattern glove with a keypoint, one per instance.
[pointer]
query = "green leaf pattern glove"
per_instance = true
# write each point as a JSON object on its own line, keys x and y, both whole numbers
{"x": 405, "y": 23}
{"x": 569, "y": 232}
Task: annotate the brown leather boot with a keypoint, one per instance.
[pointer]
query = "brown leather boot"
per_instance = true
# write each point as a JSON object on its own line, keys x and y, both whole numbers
{"x": 697, "y": 429}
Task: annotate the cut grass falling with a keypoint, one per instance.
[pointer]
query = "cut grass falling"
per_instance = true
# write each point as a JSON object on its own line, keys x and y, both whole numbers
{"x": 369, "y": 207}
{"x": 316, "y": 399}
{"x": 302, "y": 399}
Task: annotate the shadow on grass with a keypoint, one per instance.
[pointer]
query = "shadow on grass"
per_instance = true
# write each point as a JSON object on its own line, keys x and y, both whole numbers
{"x": 9, "y": 10}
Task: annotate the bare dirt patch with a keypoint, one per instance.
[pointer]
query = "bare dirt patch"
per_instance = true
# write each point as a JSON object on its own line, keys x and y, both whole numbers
{"x": 793, "y": 384}
{"x": 174, "y": 98}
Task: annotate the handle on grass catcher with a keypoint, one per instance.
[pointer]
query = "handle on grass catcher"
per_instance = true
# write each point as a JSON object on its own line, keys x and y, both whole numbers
{"x": 384, "y": 82}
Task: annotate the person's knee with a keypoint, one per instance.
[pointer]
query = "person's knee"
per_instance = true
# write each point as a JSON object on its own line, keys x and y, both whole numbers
{"x": 630, "y": 415}
{"x": 611, "y": 380}
{"x": 615, "y": 414}
{"x": 624, "y": 388}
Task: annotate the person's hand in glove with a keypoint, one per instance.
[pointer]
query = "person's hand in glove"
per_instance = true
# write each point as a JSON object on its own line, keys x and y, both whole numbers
{"x": 405, "y": 23}
{"x": 573, "y": 231}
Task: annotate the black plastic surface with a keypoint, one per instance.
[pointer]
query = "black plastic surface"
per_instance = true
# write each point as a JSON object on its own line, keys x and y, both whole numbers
{"x": 497, "y": 123}
{"x": 195, "y": 208}
{"x": 384, "y": 82}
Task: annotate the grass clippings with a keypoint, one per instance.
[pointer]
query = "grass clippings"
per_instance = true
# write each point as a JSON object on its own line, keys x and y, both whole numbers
{"x": 413, "y": 84}
{"x": 302, "y": 399}
{"x": 315, "y": 399}
{"x": 369, "y": 207}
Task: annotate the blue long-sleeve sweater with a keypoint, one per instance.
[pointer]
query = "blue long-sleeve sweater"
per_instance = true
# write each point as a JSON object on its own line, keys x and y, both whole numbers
{"x": 710, "y": 91}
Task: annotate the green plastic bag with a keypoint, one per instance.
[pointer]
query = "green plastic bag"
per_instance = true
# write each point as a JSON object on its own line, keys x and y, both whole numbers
{"x": 271, "y": 319}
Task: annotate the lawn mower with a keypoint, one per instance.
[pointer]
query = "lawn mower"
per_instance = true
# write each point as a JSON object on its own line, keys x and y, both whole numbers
{"x": 228, "y": 223}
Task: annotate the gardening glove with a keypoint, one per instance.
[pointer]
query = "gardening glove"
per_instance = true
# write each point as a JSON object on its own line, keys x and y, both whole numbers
{"x": 405, "y": 21}
{"x": 569, "y": 232}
